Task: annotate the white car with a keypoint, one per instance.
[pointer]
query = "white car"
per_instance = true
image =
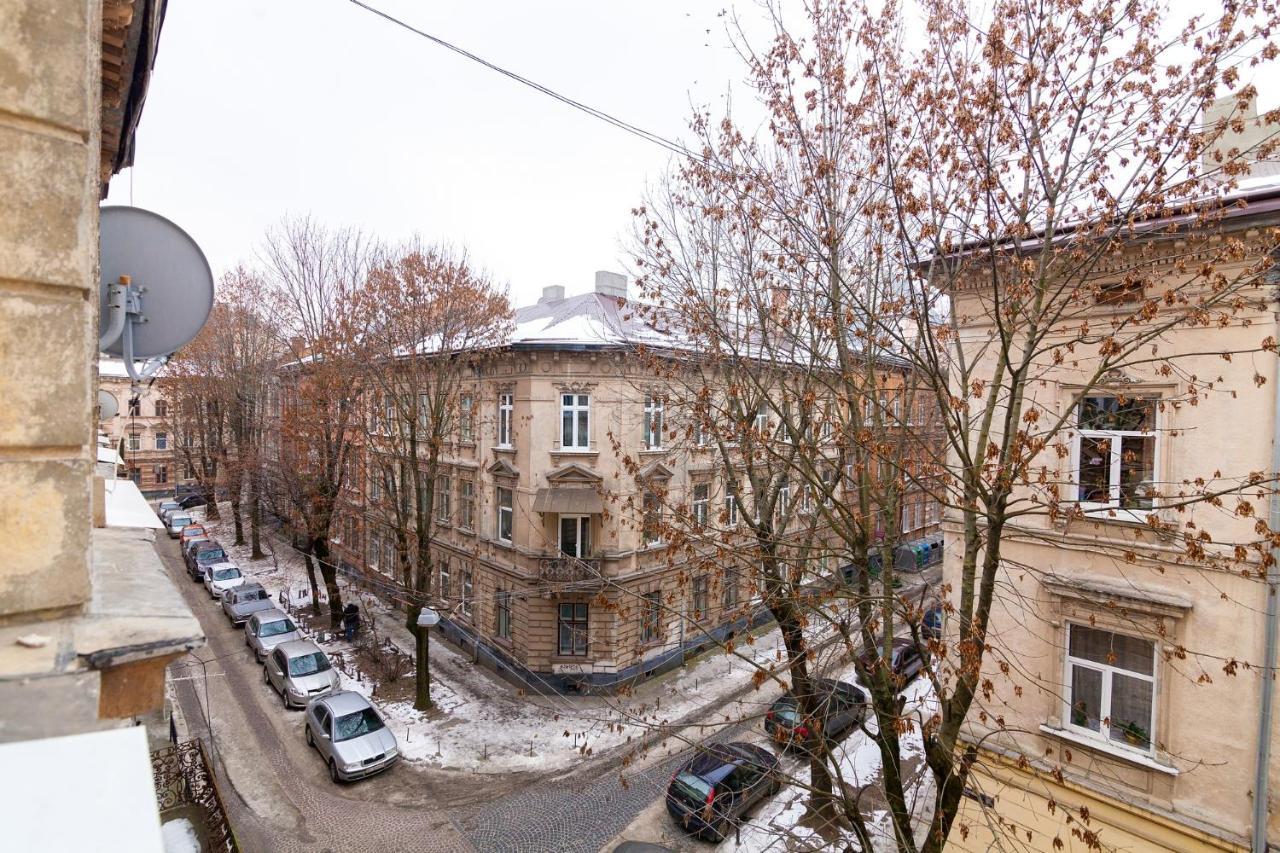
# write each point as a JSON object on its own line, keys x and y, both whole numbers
{"x": 176, "y": 521}
{"x": 220, "y": 577}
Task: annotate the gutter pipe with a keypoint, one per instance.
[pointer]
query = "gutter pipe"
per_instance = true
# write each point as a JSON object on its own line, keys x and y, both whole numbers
{"x": 1262, "y": 779}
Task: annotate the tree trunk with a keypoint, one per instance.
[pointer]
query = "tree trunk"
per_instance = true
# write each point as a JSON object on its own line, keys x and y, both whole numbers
{"x": 320, "y": 550}
{"x": 255, "y": 519}
{"x": 311, "y": 576}
{"x": 234, "y": 488}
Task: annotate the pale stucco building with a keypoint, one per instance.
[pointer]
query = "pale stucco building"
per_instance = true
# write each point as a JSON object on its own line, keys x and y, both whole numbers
{"x": 1118, "y": 646}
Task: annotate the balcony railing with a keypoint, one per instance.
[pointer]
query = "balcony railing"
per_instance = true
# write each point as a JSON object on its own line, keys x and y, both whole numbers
{"x": 566, "y": 569}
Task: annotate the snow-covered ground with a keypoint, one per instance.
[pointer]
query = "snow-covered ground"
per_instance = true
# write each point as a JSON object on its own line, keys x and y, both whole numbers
{"x": 179, "y": 836}
{"x": 481, "y": 723}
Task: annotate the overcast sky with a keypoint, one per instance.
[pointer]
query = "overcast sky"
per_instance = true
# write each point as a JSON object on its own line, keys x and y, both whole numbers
{"x": 316, "y": 106}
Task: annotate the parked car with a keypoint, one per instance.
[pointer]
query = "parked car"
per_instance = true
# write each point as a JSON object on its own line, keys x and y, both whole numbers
{"x": 200, "y": 553}
{"x": 167, "y": 507}
{"x": 719, "y": 785}
{"x": 192, "y": 531}
{"x": 931, "y": 624}
{"x": 299, "y": 671}
{"x": 220, "y": 577}
{"x": 266, "y": 629}
{"x": 192, "y": 501}
{"x": 245, "y": 600}
{"x": 348, "y": 733}
{"x": 841, "y": 708}
{"x": 906, "y": 662}
{"x": 175, "y": 522}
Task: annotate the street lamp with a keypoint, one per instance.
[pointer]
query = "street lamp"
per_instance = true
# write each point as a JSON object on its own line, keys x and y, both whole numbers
{"x": 427, "y": 618}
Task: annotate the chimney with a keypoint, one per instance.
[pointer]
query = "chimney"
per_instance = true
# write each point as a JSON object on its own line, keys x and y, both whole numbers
{"x": 611, "y": 284}
{"x": 552, "y": 293}
{"x": 1244, "y": 140}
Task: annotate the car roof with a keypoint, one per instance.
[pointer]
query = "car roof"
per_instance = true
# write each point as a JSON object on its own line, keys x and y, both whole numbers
{"x": 207, "y": 544}
{"x": 714, "y": 762}
{"x": 345, "y": 702}
{"x": 227, "y": 565}
{"x": 275, "y": 614}
{"x": 250, "y": 586}
{"x": 294, "y": 648}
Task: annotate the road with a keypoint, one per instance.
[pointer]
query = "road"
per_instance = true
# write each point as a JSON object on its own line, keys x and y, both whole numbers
{"x": 279, "y": 797}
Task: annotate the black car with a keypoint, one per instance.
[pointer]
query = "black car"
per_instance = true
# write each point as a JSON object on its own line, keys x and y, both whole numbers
{"x": 906, "y": 663}
{"x": 192, "y": 501}
{"x": 841, "y": 707}
{"x": 722, "y": 782}
{"x": 203, "y": 554}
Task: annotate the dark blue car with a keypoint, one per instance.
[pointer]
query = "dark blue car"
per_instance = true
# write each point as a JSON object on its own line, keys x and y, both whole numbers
{"x": 719, "y": 785}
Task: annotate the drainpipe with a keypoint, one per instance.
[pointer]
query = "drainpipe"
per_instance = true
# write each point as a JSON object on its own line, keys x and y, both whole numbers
{"x": 1262, "y": 778}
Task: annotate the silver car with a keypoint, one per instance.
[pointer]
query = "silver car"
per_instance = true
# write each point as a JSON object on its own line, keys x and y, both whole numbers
{"x": 299, "y": 671}
{"x": 220, "y": 577}
{"x": 176, "y": 521}
{"x": 240, "y": 602}
{"x": 350, "y": 736}
{"x": 266, "y": 629}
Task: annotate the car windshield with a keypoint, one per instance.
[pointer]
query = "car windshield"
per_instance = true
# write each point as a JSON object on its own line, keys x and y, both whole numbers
{"x": 225, "y": 574}
{"x": 692, "y": 789}
{"x": 280, "y": 626}
{"x": 212, "y": 555}
{"x": 362, "y": 722}
{"x": 308, "y": 664}
{"x": 180, "y": 521}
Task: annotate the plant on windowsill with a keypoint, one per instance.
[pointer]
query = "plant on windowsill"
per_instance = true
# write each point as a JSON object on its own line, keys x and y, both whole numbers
{"x": 1079, "y": 716}
{"x": 1135, "y": 734}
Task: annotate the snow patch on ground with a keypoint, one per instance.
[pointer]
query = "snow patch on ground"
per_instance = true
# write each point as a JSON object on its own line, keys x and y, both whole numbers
{"x": 179, "y": 836}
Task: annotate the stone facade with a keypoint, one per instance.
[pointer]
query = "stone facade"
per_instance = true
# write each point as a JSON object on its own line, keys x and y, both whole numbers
{"x": 144, "y": 431}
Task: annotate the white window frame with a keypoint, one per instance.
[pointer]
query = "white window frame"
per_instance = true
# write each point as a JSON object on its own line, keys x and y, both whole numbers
{"x": 701, "y": 503}
{"x": 761, "y": 423}
{"x": 465, "y": 420}
{"x": 468, "y": 593}
{"x": 505, "y": 511}
{"x": 467, "y": 504}
{"x": 444, "y": 489}
{"x": 582, "y": 526}
{"x": 573, "y": 404}
{"x": 731, "y": 510}
{"x": 134, "y": 441}
{"x": 506, "y": 411}
{"x": 654, "y": 416}
{"x": 1112, "y": 507}
{"x": 1104, "y": 711}
{"x": 502, "y": 615}
{"x": 651, "y": 536}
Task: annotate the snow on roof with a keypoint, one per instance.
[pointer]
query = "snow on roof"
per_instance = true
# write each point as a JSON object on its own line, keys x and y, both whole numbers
{"x": 126, "y": 507}
{"x": 588, "y": 319}
{"x": 104, "y": 778}
{"x": 110, "y": 455}
{"x": 112, "y": 367}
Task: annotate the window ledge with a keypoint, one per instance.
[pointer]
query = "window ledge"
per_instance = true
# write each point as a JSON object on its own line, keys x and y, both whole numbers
{"x": 1115, "y": 515}
{"x": 1113, "y": 750}
{"x": 574, "y": 451}
{"x": 654, "y": 451}
{"x": 504, "y": 448}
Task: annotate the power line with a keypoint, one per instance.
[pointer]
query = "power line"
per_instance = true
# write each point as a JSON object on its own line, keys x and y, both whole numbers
{"x": 635, "y": 130}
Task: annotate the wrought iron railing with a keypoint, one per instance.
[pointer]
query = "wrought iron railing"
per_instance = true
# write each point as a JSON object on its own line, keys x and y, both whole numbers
{"x": 566, "y": 569}
{"x": 185, "y": 783}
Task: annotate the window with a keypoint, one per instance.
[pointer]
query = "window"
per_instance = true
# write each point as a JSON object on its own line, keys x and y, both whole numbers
{"x": 506, "y": 514}
{"x": 651, "y": 617}
{"x": 162, "y": 474}
{"x": 468, "y": 596}
{"x": 162, "y": 409}
{"x": 135, "y": 441}
{"x": 1110, "y": 682}
{"x": 444, "y": 579}
{"x": 188, "y": 473}
{"x": 375, "y": 485}
{"x": 135, "y": 474}
{"x": 1116, "y": 452}
{"x": 389, "y": 414}
{"x": 575, "y": 420}
{"x": 575, "y": 535}
{"x": 761, "y": 424}
{"x": 700, "y": 587}
{"x": 653, "y": 412}
{"x": 572, "y": 630}
{"x": 467, "y": 504}
{"x": 135, "y": 407}
{"x": 162, "y": 441}
{"x": 375, "y": 549}
{"x": 701, "y": 497}
{"x": 730, "y": 592}
{"x": 506, "y": 407}
{"x": 502, "y": 615}
{"x": 784, "y": 501}
{"x": 730, "y": 511}
{"x": 652, "y": 518}
{"x": 701, "y": 430}
{"x": 188, "y": 440}
{"x": 465, "y": 420}
{"x": 444, "y": 490}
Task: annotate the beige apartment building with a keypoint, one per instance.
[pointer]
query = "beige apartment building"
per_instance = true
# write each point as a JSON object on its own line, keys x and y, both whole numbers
{"x": 88, "y": 617}
{"x": 550, "y": 566}
{"x": 1131, "y": 666}
{"x": 143, "y": 430}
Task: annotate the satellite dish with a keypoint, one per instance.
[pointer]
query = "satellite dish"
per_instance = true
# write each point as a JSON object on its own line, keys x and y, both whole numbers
{"x": 107, "y": 405}
{"x": 155, "y": 276}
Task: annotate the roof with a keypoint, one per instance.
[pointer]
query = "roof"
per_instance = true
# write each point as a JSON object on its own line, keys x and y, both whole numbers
{"x": 588, "y": 319}
{"x": 126, "y": 507}
{"x": 345, "y": 701}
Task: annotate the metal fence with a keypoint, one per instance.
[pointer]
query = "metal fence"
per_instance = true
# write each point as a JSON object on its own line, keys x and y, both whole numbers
{"x": 185, "y": 787}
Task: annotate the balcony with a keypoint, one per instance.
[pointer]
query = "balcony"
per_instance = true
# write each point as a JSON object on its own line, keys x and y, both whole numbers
{"x": 566, "y": 569}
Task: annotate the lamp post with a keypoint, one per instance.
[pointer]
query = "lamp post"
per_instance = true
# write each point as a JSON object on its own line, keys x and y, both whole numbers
{"x": 426, "y": 619}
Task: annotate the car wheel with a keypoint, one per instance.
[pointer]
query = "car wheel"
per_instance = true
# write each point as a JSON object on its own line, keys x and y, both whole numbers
{"x": 333, "y": 772}
{"x": 310, "y": 740}
{"x": 284, "y": 698}
{"x": 266, "y": 678}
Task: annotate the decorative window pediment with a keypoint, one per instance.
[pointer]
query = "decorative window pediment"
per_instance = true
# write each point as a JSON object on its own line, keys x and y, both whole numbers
{"x": 572, "y": 474}
{"x": 656, "y": 471}
{"x": 503, "y": 468}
